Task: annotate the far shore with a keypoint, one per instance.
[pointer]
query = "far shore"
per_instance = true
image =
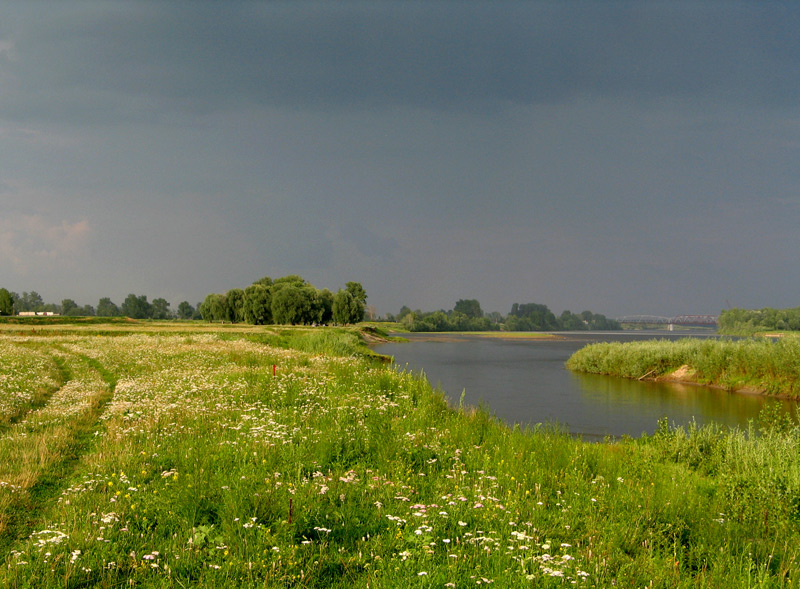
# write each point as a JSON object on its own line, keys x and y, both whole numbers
{"x": 455, "y": 336}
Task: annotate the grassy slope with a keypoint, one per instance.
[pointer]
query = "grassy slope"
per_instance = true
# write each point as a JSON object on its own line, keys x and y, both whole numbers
{"x": 207, "y": 467}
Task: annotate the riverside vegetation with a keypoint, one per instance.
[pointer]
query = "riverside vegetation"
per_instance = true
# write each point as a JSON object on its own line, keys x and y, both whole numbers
{"x": 182, "y": 455}
{"x": 754, "y": 365}
{"x": 752, "y": 321}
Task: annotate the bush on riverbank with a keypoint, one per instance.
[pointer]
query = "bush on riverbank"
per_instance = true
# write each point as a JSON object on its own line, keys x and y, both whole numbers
{"x": 182, "y": 460}
{"x": 752, "y": 321}
{"x": 761, "y": 365}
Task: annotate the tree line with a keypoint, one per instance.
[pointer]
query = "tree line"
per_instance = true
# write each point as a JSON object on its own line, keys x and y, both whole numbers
{"x": 134, "y": 306}
{"x": 289, "y": 300}
{"x": 467, "y": 315}
{"x": 749, "y": 321}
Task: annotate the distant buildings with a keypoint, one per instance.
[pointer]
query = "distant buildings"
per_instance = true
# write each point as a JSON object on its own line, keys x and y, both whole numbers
{"x": 35, "y": 313}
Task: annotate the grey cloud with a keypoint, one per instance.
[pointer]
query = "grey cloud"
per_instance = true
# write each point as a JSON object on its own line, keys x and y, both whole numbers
{"x": 570, "y": 153}
{"x": 137, "y": 60}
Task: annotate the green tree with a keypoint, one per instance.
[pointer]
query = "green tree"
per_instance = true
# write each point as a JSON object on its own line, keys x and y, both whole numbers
{"x": 136, "y": 307}
{"x": 342, "y": 305}
{"x": 106, "y": 308}
{"x": 495, "y": 317}
{"x": 70, "y": 307}
{"x": 257, "y": 304}
{"x": 346, "y": 307}
{"x": 532, "y": 317}
{"x": 469, "y": 307}
{"x": 28, "y": 301}
{"x": 6, "y": 302}
{"x": 214, "y": 308}
{"x": 358, "y": 292}
{"x": 160, "y": 309}
{"x": 359, "y": 303}
{"x": 325, "y": 300}
{"x": 235, "y": 299}
{"x": 289, "y": 304}
{"x": 440, "y": 321}
{"x": 410, "y": 319}
{"x": 185, "y": 310}
{"x": 290, "y": 279}
{"x": 571, "y": 322}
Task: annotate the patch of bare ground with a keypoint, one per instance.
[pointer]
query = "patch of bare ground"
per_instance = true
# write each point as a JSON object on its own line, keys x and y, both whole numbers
{"x": 688, "y": 375}
{"x": 683, "y": 374}
{"x": 372, "y": 337}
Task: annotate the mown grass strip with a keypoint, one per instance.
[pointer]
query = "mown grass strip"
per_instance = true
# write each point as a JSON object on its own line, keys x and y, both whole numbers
{"x": 39, "y": 451}
{"x": 39, "y": 397}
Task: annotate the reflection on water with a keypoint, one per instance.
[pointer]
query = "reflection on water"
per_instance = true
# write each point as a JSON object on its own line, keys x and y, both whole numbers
{"x": 524, "y": 381}
{"x": 681, "y": 403}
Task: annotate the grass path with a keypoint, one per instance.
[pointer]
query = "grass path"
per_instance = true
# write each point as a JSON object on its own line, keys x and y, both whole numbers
{"x": 44, "y": 439}
{"x": 28, "y": 378}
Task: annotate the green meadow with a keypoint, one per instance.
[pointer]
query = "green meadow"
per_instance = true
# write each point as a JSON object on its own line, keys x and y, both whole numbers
{"x": 180, "y": 455}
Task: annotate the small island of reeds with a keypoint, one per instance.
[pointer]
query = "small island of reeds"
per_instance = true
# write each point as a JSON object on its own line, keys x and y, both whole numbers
{"x": 758, "y": 365}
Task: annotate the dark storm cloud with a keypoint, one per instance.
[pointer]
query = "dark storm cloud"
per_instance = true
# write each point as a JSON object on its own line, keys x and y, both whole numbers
{"x": 619, "y": 156}
{"x": 102, "y": 61}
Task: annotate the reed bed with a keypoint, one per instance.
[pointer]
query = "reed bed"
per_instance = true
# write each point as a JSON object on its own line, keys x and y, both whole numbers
{"x": 756, "y": 365}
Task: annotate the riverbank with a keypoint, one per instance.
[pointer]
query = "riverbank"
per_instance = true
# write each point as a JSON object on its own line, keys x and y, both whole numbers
{"x": 753, "y": 366}
{"x": 280, "y": 457}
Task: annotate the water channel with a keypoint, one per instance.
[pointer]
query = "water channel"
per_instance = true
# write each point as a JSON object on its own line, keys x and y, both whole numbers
{"x": 524, "y": 381}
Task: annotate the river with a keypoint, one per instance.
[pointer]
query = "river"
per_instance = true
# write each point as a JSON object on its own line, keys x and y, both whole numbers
{"x": 524, "y": 381}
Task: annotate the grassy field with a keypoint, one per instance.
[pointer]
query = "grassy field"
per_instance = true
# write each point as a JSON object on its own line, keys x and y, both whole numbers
{"x": 758, "y": 365}
{"x": 155, "y": 455}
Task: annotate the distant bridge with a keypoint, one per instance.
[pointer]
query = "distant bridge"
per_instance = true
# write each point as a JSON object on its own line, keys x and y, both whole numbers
{"x": 670, "y": 322}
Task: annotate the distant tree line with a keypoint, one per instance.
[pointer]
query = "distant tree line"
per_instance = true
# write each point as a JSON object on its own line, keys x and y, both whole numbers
{"x": 289, "y": 301}
{"x": 467, "y": 315}
{"x": 745, "y": 321}
{"x": 134, "y": 306}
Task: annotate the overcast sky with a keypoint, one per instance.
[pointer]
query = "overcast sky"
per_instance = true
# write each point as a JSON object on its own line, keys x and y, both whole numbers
{"x": 622, "y": 157}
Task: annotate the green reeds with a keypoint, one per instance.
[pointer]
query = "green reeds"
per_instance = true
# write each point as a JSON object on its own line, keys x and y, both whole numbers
{"x": 759, "y": 365}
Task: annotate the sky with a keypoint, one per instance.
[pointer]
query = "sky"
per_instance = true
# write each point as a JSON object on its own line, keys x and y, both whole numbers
{"x": 621, "y": 157}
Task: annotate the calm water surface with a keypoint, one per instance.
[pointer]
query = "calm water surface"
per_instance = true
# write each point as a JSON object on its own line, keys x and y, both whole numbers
{"x": 524, "y": 381}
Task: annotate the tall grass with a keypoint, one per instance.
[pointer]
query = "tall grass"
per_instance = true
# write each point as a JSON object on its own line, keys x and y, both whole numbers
{"x": 206, "y": 469}
{"x": 763, "y": 365}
